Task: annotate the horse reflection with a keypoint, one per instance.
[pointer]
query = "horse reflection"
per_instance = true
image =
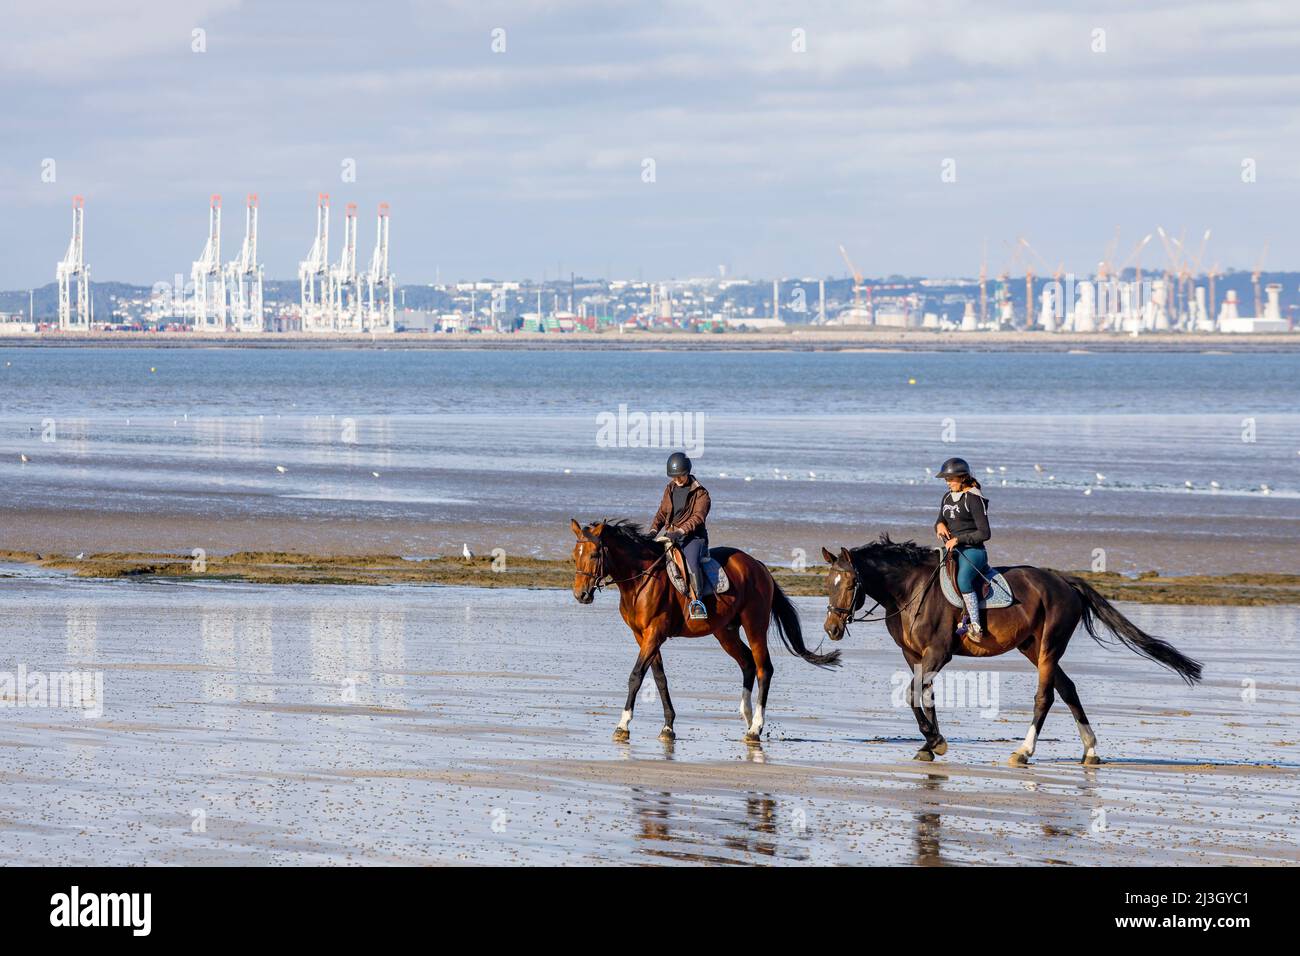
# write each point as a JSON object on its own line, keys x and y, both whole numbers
{"x": 673, "y": 829}
{"x": 929, "y": 824}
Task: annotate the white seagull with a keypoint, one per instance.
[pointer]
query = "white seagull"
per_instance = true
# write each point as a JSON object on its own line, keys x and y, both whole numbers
{"x": 281, "y": 469}
{"x": 466, "y": 553}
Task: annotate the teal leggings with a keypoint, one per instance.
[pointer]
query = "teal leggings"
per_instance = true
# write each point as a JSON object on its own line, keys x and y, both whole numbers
{"x": 971, "y": 563}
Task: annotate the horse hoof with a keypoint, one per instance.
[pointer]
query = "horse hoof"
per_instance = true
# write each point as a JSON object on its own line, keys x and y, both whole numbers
{"x": 925, "y": 755}
{"x": 752, "y": 738}
{"x": 667, "y": 734}
{"x": 1091, "y": 760}
{"x": 621, "y": 735}
{"x": 940, "y": 748}
{"x": 1018, "y": 759}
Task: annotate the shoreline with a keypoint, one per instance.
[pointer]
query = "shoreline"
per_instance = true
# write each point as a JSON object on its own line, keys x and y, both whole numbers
{"x": 796, "y": 338}
{"x": 299, "y": 568}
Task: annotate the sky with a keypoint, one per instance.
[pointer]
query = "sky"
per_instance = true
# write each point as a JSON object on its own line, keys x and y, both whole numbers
{"x": 535, "y": 138}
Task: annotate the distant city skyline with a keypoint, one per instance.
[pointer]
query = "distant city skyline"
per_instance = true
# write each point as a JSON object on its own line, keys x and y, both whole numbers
{"x": 625, "y": 140}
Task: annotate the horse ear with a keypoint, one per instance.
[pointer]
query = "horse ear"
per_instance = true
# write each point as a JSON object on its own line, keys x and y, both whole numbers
{"x": 830, "y": 558}
{"x": 577, "y": 528}
{"x": 844, "y": 554}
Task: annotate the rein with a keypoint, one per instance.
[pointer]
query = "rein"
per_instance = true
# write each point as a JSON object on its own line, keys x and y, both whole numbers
{"x": 600, "y": 575}
{"x": 866, "y": 617}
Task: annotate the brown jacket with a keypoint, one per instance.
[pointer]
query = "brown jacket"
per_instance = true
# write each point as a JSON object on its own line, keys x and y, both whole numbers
{"x": 697, "y": 509}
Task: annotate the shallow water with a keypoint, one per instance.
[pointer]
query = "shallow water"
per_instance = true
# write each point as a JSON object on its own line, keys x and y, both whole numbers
{"x": 417, "y": 452}
{"x": 432, "y": 725}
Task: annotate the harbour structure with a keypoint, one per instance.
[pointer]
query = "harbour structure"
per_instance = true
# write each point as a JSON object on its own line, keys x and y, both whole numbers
{"x": 245, "y": 278}
{"x": 379, "y": 282}
{"x": 73, "y": 276}
{"x": 314, "y": 273}
{"x": 345, "y": 286}
{"x": 208, "y": 300}
{"x": 340, "y": 298}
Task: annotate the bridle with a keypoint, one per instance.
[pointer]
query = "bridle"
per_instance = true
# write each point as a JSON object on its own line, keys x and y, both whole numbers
{"x": 866, "y": 618}
{"x": 601, "y": 579}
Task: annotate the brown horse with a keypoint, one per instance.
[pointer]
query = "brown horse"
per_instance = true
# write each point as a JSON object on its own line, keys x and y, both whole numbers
{"x": 616, "y": 552}
{"x": 903, "y": 579}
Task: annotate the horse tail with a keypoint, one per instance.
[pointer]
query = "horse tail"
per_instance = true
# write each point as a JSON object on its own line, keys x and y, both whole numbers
{"x": 1129, "y": 634}
{"x": 786, "y": 620}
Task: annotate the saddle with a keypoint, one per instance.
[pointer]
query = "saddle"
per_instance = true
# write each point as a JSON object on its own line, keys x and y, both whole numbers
{"x": 715, "y": 578}
{"x": 995, "y": 595}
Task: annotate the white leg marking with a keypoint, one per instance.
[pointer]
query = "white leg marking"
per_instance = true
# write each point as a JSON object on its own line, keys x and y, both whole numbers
{"x": 746, "y": 710}
{"x": 1031, "y": 740}
{"x": 1089, "y": 740}
{"x": 625, "y": 720}
{"x": 756, "y": 725}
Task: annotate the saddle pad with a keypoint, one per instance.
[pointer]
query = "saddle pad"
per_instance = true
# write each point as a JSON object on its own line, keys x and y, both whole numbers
{"x": 1000, "y": 595}
{"x": 715, "y": 578}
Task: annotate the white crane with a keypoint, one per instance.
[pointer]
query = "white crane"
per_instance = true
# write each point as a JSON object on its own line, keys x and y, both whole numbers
{"x": 314, "y": 273}
{"x": 71, "y": 271}
{"x": 245, "y": 278}
{"x": 209, "y": 278}
{"x": 379, "y": 281}
{"x": 345, "y": 285}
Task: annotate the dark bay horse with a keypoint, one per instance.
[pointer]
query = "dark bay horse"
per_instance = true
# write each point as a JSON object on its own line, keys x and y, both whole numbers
{"x": 902, "y": 577}
{"x": 616, "y": 552}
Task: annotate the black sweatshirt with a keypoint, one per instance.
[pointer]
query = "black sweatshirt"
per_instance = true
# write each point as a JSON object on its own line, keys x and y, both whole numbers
{"x": 966, "y": 516}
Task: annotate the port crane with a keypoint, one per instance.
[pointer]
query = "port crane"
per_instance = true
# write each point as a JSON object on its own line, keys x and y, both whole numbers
{"x": 209, "y": 278}
{"x": 245, "y": 278}
{"x": 71, "y": 272}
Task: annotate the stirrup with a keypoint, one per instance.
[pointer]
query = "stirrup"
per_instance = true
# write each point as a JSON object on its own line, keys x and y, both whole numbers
{"x": 967, "y": 629}
{"x": 697, "y": 611}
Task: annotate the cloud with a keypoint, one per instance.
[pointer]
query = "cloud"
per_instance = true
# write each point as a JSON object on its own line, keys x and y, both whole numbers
{"x": 517, "y": 152}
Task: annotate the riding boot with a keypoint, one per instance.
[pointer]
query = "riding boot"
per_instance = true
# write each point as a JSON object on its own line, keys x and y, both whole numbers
{"x": 697, "y": 611}
{"x": 972, "y": 629}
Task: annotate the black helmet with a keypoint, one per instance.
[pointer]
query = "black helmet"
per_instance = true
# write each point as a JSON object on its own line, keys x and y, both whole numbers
{"x": 678, "y": 464}
{"x": 954, "y": 468}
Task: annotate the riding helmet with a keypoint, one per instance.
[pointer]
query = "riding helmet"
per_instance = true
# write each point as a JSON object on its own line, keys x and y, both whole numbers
{"x": 678, "y": 464}
{"x": 954, "y": 468}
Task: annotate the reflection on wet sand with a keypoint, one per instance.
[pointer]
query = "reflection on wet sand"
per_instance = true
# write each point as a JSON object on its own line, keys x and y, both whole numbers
{"x": 674, "y": 829}
{"x": 928, "y": 824}
{"x": 230, "y": 699}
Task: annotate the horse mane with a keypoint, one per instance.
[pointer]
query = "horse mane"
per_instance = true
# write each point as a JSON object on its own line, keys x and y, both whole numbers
{"x": 895, "y": 552}
{"x": 629, "y": 533}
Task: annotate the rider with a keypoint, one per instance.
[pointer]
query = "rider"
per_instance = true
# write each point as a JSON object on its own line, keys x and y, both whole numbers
{"x": 680, "y": 518}
{"x": 963, "y": 527}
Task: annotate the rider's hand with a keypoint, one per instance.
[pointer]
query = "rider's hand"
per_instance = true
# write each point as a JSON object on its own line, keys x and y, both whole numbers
{"x": 675, "y": 537}
{"x": 941, "y": 530}
{"x": 950, "y": 543}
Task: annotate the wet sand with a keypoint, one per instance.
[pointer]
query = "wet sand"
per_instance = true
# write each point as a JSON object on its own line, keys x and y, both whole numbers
{"x": 528, "y": 515}
{"x": 332, "y": 725}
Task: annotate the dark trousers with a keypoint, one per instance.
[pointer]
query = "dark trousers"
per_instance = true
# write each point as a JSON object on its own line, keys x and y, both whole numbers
{"x": 694, "y": 552}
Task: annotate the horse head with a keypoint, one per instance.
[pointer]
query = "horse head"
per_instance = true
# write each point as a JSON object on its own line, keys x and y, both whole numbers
{"x": 588, "y": 560}
{"x": 843, "y": 593}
